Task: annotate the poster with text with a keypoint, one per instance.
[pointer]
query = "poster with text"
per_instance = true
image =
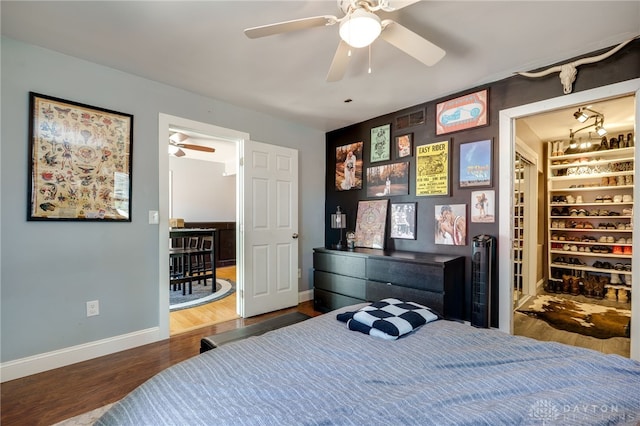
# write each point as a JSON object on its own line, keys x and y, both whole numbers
{"x": 432, "y": 169}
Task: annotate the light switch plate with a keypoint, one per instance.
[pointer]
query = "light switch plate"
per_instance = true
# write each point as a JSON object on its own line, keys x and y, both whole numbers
{"x": 153, "y": 217}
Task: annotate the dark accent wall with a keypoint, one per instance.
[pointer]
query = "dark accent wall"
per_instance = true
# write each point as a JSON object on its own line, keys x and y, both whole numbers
{"x": 508, "y": 93}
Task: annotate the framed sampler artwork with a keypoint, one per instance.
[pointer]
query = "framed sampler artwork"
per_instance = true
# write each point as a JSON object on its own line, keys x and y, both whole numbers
{"x": 79, "y": 161}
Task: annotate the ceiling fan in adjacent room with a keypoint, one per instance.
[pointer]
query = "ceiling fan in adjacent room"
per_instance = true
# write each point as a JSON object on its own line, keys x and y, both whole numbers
{"x": 359, "y": 27}
{"x": 177, "y": 142}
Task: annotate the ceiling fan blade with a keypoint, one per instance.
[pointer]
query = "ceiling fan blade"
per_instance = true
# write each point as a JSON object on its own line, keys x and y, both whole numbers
{"x": 287, "y": 26}
{"x": 197, "y": 147}
{"x": 340, "y": 61}
{"x": 179, "y": 153}
{"x": 396, "y": 5}
{"x": 411, "y": 43}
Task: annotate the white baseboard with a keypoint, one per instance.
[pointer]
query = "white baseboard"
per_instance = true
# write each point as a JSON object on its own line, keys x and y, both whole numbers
{"x": 304, "y": 296}
{"x": 23, "y": 367}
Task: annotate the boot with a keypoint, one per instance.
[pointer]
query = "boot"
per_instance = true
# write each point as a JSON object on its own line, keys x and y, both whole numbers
{"x": 588, "y": 286}
{"x": 575, "y": 286}
{"x": 566, "y": 284}
{"x": 612, "y": 294}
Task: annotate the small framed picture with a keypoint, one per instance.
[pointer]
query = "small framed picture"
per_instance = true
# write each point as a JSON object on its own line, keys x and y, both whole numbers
{"x": 451, "y": 224}
{"x": 403, "y": 221}
{"x": 404, "y": 145}
{"x": 381, "y": 143}
{"x": 476, "y": 164}
{"x": 484, "y": 206}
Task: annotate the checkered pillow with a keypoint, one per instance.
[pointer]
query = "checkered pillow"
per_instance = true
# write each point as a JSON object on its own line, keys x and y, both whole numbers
{"x": 388, "y": 318}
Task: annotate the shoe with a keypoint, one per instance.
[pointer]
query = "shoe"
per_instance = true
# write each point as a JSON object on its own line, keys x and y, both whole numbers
{"x": 571, "y": 199}
{"x": 618, "y": 250}
{"x": 599, "y": 199}
{"x": 628, "y": 250}
{"x": 617, "y": 198}
{"x": 610, "y": 239}
{"x": 627, "y": 198}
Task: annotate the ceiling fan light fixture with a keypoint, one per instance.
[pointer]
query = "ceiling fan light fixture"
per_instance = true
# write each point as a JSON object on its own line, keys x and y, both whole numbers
{"x": 360, "y": 29}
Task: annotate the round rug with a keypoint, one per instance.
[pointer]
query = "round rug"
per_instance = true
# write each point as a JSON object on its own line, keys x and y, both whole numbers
{"x": 200, "y": 294}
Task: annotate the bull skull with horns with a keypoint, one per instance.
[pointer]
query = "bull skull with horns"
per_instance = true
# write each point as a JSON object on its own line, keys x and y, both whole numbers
{"x": 569, "y": 71}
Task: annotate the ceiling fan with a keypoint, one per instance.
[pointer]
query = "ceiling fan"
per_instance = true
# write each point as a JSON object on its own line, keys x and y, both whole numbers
{"x": 176, "y": 143}
{"x": 359, "y": 27}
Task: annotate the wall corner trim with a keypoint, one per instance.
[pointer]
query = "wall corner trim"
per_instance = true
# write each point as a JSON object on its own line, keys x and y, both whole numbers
{"x": 22, "y": 367}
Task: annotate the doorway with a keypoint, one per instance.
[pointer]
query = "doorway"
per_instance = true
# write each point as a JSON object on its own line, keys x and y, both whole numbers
{"x": 166, "y": 123}
{"x": 506, "y": 205}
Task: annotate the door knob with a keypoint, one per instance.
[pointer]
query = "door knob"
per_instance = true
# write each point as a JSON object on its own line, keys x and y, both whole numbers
{"x": 295, "y": 236}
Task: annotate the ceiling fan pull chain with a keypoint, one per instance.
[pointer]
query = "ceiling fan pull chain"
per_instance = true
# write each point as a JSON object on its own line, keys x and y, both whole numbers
{"x": 369, "y": 59}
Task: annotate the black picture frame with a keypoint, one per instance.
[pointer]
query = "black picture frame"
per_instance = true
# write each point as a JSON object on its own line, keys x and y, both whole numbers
{"x": 403, "y": 220}
{"x": 476, "y": 164}
{"x": 80, "y": 162}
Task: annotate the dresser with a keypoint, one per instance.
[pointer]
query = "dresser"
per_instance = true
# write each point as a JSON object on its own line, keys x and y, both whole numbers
{"x": 342, "y": 278}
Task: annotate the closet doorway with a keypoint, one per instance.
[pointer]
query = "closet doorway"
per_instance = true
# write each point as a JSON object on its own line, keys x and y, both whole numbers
{"x": 566, "y": 105}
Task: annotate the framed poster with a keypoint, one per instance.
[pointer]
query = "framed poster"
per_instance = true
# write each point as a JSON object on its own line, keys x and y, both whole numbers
{"x": 381, "y": 143}
{"x": 475, "y": 164}
{"x": 388, "y": 180}
{"x": 462, "y": 113}
{"x": 403, "y": 220}
{"x": 484, "y": 206}
{"x": 79, "y": 161}
{"x": 432, "y": 169}
{"x": 371, "y": 222}
{"x": 349, "y": 166}
{"x": 404, "y": 145}
{"x": 451, "y": 224}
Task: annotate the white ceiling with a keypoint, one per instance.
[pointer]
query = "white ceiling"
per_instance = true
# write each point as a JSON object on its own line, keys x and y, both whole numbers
{"x": 200, "y": 46}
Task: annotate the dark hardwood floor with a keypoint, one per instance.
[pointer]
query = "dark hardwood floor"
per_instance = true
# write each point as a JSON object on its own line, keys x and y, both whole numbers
{"x": 52, "y": 396}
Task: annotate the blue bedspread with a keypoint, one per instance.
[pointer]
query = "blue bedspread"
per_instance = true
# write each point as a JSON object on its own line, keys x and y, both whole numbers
{"x": 320, "y": 373}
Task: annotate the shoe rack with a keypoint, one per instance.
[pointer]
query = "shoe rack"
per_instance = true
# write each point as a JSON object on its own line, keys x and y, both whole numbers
{"x": 590, "y": 204}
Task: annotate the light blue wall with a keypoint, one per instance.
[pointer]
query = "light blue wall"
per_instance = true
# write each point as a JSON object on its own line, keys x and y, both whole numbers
{"x": 50, "y": 269}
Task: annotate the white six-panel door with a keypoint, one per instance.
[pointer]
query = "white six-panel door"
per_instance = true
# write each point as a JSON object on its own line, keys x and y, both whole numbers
{"x": 269, "y": 228}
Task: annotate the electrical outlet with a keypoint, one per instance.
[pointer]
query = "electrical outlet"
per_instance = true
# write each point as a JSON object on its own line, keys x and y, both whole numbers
{"x": 93, "y": 308}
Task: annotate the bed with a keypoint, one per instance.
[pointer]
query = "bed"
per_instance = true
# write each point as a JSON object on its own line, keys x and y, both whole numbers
{"x": 320, "y": 372}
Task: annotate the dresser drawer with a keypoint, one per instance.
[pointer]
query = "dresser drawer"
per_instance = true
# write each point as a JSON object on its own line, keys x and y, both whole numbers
{"x": 348, "y": 286}
{"x": 353, "y": 266}
{"x": 415, "y": 275}
{"x": 377, "y": 290}
{"x": 324, "y": 301}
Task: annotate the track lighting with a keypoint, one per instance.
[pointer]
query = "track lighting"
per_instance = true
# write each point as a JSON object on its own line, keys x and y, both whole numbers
{"x": 581, "y": 116}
